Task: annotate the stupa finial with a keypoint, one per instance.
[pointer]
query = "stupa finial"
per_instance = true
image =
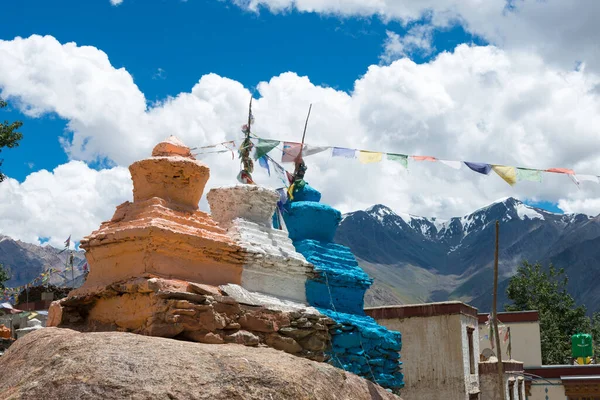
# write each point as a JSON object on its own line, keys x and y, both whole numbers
{"x": 171, "y": 146}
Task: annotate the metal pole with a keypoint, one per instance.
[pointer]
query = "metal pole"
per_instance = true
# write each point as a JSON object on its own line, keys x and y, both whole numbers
{"x": 495, "y": 317}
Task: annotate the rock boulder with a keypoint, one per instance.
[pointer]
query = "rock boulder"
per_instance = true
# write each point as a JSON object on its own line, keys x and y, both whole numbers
{"x": 55, "y": 363}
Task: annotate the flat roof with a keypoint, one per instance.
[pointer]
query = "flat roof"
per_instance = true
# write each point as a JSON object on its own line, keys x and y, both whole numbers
{"x": 512, "y": 316}
{"x": 421, "y": 310}
{"x": 565, "y": 371}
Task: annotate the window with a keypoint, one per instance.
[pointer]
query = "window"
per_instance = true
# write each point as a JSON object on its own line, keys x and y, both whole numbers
{"x": 474, "y": 396}
{"x": 470, "y": 331}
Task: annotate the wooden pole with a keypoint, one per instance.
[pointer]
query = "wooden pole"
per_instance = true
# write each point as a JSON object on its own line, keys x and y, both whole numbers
{"x": 306, "y": 124}
{"x": 300, "y": 167}
{"x": 495, "y": 317}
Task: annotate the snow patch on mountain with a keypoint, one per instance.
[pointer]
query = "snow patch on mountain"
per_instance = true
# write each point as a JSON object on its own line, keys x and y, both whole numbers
{"x": 524, "y": 211}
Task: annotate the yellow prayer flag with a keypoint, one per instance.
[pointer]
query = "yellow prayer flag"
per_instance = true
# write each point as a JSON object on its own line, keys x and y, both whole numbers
{"x": 367, "y": 157}
{"x": 509, "y": 174}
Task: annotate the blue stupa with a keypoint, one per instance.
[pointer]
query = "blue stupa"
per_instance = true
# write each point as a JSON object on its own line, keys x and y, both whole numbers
{"x": 337, "y": 289}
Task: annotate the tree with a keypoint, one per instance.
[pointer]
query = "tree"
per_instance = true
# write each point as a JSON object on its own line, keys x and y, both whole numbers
{"x": 3, "y": 277}
{"x": 9, "y": 137}
{"x": 535, "y": 288}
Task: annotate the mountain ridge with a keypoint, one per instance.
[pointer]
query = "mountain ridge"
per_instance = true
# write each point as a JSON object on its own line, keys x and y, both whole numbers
{"x": 420, "y": 259}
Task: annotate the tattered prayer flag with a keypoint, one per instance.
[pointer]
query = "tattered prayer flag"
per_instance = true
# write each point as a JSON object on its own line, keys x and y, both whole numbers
{"x": 509, "y": 174}
{"x": 424, "y": 158}
{"x": 291, "y": 151}
{"x": 479, "y": 167}
{"x": 265, "y": 164}
{"x": 263, "y": 147}
{"x": 401, "y": 158}
{"x": 309, "y": 150}
{"x": 561, "y": 171}
{"x": 526, "y": 174}
{"x": 588, "y": 178}
{"x": 574, "y": 179}
{"x": 506, "y": 335}
{"x": 280, "y": 171}
{"x": 451, "y": 164}
{"x": 343, "y": 152}
{"x": 367, "y": 157}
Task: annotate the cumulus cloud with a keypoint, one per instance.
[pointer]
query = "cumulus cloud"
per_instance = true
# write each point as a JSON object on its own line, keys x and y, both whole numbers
{"x": 72, "y": 199}
{"x": 417, "y": 40}
{"x": 474, "y": 104}
{"x": 563, "y": 32}
{"x": 116, "y": 2}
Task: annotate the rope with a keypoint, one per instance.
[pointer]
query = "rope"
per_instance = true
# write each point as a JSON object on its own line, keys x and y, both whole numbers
{"x": 359, "y": 337}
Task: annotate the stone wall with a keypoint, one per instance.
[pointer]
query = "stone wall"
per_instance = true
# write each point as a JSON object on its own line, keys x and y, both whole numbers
{"x": 201, "y": 313}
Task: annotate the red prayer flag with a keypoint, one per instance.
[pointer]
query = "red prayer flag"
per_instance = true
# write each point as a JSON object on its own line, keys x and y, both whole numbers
{"x": 291, "y": 151}
{"x": 561, "y": 171}
{"x": 424, "y": 158}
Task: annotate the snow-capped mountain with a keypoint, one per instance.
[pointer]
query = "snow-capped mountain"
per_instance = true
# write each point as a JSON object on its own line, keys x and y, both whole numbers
{"x": 418, "y": 259}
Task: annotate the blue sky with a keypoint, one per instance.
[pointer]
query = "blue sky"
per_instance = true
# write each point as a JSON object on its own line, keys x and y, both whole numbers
{"x": 454, "y": 79}
{"x": 167, "y": 45}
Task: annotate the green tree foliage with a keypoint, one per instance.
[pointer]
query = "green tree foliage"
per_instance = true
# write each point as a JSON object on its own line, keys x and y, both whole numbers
{"x": 9, "y": 137}
{"x": 3, "y": 277}
{"x": 545, "y": 290}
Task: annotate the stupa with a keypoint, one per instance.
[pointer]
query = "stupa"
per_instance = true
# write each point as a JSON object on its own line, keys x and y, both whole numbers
{"x": 273, "y": 266}
{"x": 162, "y": 267}
{"x": 162, "y": 232}
{"x": 337, "y": 288}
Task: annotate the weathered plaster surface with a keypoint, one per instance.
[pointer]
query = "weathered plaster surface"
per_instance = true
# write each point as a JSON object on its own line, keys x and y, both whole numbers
{"x": 162, "y": 231}
{"x": 337, "y": 288}
{"x": 272, "y": 265}
{"x": 436, "y": 356}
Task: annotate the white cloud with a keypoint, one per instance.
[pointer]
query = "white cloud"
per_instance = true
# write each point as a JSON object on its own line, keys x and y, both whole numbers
{"x": 72, "y": 199}
{"x": 418, "y": 39}
{"x": 116, "y": 2}
{"x": 475, "y": 104}
{"x": 563, "y": 32}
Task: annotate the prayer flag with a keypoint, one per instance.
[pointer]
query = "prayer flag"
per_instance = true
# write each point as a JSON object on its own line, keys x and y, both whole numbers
{"x": 526, "y": 174}
{"x": 589, "y": 178}
{"x": 509, "y": 174}
{"x": 68, "y": 241}
{"x": 309, "y": 150}
{"x": 263, "y": 147}
{"x": 574, "y": 179}
{"x": 367, "y": 157}
{"x": 343, "y": 152}
{"x": 424, "y": 158}
{"x": 561, "y": 171}
{"x": 280, "y": 171}
{"x": 291, "y": 151}
{"x": 451, "y": 164}
{"x": 265, "y": 164}
{"x": 479, "y": 167}
{"x": 400, "y": 158}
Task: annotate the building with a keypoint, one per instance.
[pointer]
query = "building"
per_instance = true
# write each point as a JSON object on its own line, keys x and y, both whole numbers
{"x": 522, "y": 333}
{"x": 440, "y": 355}
{"x": 544, "y": 382}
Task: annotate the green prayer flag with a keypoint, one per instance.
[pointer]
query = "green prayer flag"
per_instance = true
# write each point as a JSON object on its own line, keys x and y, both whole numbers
{"x": 401, "y": 158}
{"x": 526, "y": 174}
{"x": 264, "y": 146}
